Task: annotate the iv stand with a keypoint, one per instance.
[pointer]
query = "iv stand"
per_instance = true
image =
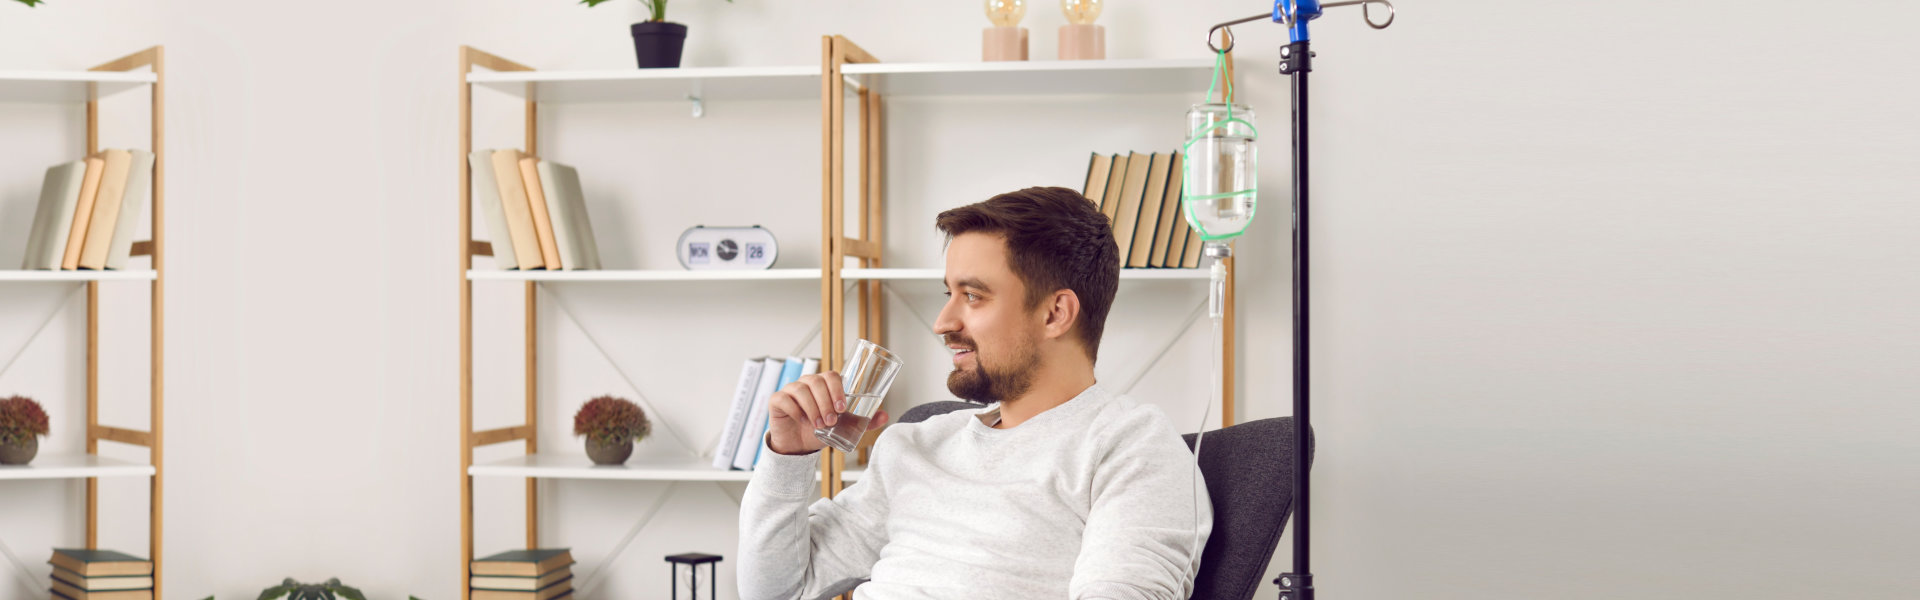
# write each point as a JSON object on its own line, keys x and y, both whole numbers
{"x": 1296, "y": 61}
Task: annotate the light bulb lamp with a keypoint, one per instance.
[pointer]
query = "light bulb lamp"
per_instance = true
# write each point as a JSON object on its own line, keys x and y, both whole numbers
{"x": 1080, "y": 39}
{"x": 1006, "y": 39}
{"x": 1296, "y": 61}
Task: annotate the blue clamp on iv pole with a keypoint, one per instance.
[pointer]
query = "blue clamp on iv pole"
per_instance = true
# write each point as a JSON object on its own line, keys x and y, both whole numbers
{"x": 1296, "y": 61}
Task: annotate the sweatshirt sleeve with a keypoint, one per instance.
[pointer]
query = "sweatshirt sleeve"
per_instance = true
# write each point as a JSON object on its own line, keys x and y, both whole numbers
{"x": 1148, "y": 500}
{"x": 797, "y": 545}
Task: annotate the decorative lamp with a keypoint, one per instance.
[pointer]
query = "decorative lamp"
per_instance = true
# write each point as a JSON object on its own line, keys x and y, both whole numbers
{"x": 1006, "y": 39}
{"x": 1080, "y": 39}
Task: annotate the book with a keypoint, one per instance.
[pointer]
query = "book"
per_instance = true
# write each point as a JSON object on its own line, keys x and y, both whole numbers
{"x": 83, "y": 212}
{"x": 1190, "y": 253}
{"x": 568, "y": 208}
{"x": 523, "y": 563}
{"x": 98, "y": 584}
{"x": 98, "y": 563}
{"x": 737, "y": 417}
{"x": 59, "y": 194}
{"x": 1098, "y": 168}
{"x": 106, "y": 208}
{"x": 139, "y": 192}
{"x": 513, "y": 197}
{"x": 64, "y": 590}
{"x": 1169, "y": 213}
{"x": 508, "y": 583}
{"x": 1182, "y": 230}
{"x": 561, "y": 589}
{"x": 1115, "y": 177}
{"x": 1127, "y": 213}
{"x": 542, "y": 219}
{"x": 750, "y": 438}
{"x": 487, "y": 192}
{"x": 790, "y": 371}
{"x": 1151, "y": 200}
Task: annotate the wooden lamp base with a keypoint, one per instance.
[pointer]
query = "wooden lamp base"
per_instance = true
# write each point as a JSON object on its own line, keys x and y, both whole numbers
{"x": 1083, "y": 42}
{"x": 1003, "y": 43}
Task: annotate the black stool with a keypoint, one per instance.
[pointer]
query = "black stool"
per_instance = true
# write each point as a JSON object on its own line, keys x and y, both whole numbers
{"x": 693, "y": 561}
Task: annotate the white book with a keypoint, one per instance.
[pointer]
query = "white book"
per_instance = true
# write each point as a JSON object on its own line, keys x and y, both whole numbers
{"x": 139, "y": 192}
{"x": 487, "y": 192}
{"x": 567, "y": 206}
{"x": 53, "y": 221}
{"x": 756, "y": 428}
{"x": 737, "y": 417}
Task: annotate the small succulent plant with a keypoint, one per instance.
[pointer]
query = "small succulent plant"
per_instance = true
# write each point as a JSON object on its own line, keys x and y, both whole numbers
{"x": 21, "y": 419}
{"x": 611, "y": 421}
{"x": 294, "y": 590}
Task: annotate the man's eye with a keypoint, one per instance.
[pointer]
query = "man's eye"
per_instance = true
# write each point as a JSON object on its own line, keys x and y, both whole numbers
{"x": 972, "y": 297}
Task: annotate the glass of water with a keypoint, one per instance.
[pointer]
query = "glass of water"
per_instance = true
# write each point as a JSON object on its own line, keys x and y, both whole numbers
{"x": 869, "y": 372}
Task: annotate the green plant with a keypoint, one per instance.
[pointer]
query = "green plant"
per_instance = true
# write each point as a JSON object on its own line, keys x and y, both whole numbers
{"x": 657, "y": 9}
{"x": 294, "y": 590}
{"x": 31, "y": 2}
{"x": 611, "y": 421}
{"x": 20, "y": 419}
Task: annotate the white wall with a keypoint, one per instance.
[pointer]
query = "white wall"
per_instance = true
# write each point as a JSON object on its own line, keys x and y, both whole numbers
{"x": 1610, "y": 297}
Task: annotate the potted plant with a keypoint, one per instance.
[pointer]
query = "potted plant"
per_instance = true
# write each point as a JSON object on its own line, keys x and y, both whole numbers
{"x": 611, "y": 425}
{"x": 656, "y": 42}
{"x": 22, "y": 423}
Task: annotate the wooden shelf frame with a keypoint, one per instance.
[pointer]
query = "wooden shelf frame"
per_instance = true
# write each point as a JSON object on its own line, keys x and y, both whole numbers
{"x": 119, "y": 75}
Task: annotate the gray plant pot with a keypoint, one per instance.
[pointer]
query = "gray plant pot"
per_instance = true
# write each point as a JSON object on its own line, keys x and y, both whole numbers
{"x": 20, "y": 453}
{"x": 609, "y": 454}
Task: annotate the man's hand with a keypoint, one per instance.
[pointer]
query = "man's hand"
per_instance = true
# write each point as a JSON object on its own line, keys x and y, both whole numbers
{"x": 813, "y": 402}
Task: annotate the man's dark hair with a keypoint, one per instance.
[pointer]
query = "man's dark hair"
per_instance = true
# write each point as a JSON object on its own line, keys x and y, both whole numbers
{"x": 1056, "y": 239}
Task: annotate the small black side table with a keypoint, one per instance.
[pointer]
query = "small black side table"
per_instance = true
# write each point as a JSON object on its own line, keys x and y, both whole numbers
{"x": 693, "y": 561}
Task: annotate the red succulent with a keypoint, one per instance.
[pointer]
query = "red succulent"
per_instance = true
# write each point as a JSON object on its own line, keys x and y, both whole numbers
{"x": 611, "y": 420}
{"x": 20, "y": 419}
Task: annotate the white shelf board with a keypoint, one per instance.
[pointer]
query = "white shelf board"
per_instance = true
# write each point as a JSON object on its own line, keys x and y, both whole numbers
{"x": 135, "y": 275}
{"x": 43, "y": 87}
{"x": 647, "y": 275}
{"x": 657, "y": 85}
{"x": 1030, "y": 78}
{"x": 74, "y": 466}
{"x": 577, "y": 466}
{"x": 939, "y": 274}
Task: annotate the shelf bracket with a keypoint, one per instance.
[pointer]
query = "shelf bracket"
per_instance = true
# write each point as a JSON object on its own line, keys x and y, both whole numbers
{"x": 27, "y": 577}
{"x": 699, "y": 106}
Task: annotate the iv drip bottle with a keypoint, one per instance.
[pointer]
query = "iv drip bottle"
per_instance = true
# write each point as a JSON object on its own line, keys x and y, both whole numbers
{"x": 1221, "y": 170}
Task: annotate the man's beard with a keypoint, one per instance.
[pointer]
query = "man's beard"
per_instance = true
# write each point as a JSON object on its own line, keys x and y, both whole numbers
{"x": 985, "y": 385}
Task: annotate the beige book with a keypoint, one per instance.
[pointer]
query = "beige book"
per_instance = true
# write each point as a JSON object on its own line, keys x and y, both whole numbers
{"x": 1127, "y": 214}
{"x": 1190, "y": 254}
{"x": 1115, "y": 177}
{"x": 542, "y": 217}
{"x": 1170, "y": 212}
{"x": 1149, "y": 221}
{"x": 83, "y": 212}
{"x": 513, "y": 196}
{"x": 139, "y": 192}
{"x": 106, "y": 209}
{"x": 67, "y": 590}
{"x": 564, "y": 587}
{"x": 1098, "y": 168}
{"x": 572, "y": 229}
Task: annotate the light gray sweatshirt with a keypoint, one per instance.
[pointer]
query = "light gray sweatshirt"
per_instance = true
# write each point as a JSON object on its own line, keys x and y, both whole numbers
{"x": 1095, "y": 498}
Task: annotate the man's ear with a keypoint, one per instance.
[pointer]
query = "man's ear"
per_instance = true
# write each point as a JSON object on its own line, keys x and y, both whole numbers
{"x": 1062, "y": 309}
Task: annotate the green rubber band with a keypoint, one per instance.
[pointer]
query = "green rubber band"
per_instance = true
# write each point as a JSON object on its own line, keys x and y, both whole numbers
{"x": 1186, "y": 150}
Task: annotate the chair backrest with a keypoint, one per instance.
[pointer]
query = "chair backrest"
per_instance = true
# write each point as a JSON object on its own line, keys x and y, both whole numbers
{"x": 1249, "y": 472}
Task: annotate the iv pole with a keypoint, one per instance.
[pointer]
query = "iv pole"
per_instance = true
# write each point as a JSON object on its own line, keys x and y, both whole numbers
{"x": 1296, "y": 61}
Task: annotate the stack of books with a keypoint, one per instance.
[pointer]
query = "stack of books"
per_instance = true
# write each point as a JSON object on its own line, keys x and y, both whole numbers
{"x": 1140, "y": 195}
{"x": 100, "y": 575}
{"x": 739, "y": 446}
{"x": 534, "y": 210}
{"x": 89, "y": 210}
{"x": 523, "y": 575}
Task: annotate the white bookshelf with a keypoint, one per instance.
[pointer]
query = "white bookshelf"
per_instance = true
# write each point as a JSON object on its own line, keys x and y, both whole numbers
{"x": 78, "y": 276}
{"x": 1035, "y": 77}
{"x": 74, "y": 466}
{"x": 812, "y": 275}
{"x": 66, "y": 87}
{"x": 577, "y": 466}
{"x": 656, "y": 85}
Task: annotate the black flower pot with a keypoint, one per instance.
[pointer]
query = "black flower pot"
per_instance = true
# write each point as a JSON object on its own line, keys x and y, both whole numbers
{"x": 609, "y": 454}
{"x": 19, "y": 453}
{"x": 657, "y": 44}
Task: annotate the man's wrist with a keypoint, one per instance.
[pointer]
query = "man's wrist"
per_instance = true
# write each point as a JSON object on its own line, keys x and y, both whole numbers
{"x": 777, "y": 450}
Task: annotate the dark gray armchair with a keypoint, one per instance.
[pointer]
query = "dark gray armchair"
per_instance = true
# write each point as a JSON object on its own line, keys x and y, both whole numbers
{"x": 1249, "y": 473}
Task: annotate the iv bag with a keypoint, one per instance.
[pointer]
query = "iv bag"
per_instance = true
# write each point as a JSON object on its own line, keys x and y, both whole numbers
{"x": 1220, "y": 170}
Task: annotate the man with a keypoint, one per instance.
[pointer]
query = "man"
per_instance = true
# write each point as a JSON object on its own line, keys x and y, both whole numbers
{"x": 1059, "y": 489}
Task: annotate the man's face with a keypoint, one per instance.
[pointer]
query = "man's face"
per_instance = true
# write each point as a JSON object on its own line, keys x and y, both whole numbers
{"x": 994, "y": 337}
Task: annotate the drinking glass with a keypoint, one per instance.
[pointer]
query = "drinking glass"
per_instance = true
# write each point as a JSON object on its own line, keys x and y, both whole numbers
{"x": 869, "y": 372}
